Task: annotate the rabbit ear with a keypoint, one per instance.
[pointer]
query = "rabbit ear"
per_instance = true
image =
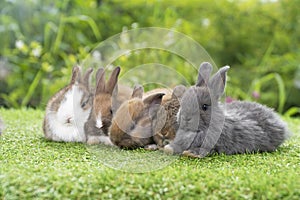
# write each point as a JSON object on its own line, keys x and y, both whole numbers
{"x": 153, "y": 104}
{"x": 204, "y": 73}
{"x": 115, "y": 91}
{"x": 75, "y": 75}
{"x": 100, "y": 79}
{"x": 99, "y": 73}
{"x": 217, "y": 82}
{"x": 138, "y": 91}
{"x": 113, "y": 80}
{"x": 115, "y": 103}
{"x": 86, "y": 77}
{"x": 154, "y": 99}
{"x": 178, "y": 91}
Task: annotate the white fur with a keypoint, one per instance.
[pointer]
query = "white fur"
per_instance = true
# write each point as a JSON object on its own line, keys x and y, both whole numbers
{"x": 177, "y": 115}
{"x": 105, "y": 140}
{"x": 69, "y": 108}
{"x": 168, "y": 149}
{"x": 99, "y": 123}
{"x": 151, "y": 147}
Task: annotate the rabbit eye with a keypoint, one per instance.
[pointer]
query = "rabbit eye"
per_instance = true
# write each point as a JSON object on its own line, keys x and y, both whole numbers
{"x": 111, "y": 112}
{"x": 83, "y": 104}
{"x": 204, "y": 107}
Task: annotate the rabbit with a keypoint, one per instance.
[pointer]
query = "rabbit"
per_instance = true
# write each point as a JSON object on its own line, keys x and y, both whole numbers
{"x": 132, "y": 124}
{"x": 167, "y": 116}
{"x": 68, "y": 109}
{"x": 207, "y": 126}
{"x": 106, "y": 101}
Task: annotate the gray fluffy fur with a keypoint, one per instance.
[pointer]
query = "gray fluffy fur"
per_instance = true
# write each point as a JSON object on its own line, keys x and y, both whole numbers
{"x": 237, "y": 127}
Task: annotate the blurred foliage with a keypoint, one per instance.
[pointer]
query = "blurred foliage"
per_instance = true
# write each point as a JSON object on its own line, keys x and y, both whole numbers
{"x": 260, "y": 40}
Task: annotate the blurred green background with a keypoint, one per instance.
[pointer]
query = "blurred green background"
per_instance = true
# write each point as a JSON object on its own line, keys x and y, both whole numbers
{"x": 42, "y": 40}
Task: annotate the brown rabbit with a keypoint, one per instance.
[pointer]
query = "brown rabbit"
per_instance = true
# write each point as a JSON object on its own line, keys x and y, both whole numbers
{"x": 104, "y": 106}
{"x": 132, "y": 125}
{"x": 166, "y": 122}
{"x": 68, "y": 109}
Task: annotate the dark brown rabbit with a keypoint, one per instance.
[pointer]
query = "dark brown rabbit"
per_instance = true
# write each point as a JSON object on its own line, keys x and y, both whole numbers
{"x": 166, "y": 123}
{"x": 132, "y": 125}
{"x": 68, "y": 110}
{"x": 108, "y": 97}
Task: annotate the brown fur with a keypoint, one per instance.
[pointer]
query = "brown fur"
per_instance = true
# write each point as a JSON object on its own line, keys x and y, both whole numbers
{"x": 104, "y": 104}
{"x": 166, "y": 91}
{"x": 166, "y": 124}
{"x": 167, "y": 114}
{"x": 132, "y": 125}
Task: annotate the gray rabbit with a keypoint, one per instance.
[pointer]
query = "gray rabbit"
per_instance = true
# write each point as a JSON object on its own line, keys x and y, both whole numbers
{"x": 207, "y": 126}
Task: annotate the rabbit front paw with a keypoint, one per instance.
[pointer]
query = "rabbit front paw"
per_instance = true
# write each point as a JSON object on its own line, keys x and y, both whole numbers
{"x": 92, "y": 140}
{"x": 189, "y": 153}
{"x": 168, "y": 149}
{"x": 151, "y": 147}
{"x": 193, "y": 153}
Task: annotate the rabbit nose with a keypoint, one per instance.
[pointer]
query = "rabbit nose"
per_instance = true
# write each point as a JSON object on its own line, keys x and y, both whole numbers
{"x": 69, "y": 120}
{"x": 166, "y": 142}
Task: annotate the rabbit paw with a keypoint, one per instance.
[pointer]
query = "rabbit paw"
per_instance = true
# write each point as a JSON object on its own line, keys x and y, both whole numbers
{"x": 151, "y": 147}
{"x": 168, "y": 149}
{"x": 190, "y": 153}
{"x": 99, "y": 139}
{"x": 92, "y": 141}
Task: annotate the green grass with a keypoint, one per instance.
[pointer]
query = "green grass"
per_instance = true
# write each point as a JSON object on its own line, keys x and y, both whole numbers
{"x": 32, "y": 167}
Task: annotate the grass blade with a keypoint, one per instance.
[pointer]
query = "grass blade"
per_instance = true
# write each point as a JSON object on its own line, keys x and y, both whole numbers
{"x": 32, "y": 88}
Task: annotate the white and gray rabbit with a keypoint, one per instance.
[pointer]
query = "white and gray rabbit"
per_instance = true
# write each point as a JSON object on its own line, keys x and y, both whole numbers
{"x": 207, "y": 126}
{"x": 68, "y": 109}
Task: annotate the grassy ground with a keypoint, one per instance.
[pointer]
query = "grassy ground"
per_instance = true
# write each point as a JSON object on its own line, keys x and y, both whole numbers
{"x": 32, "y": 167}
